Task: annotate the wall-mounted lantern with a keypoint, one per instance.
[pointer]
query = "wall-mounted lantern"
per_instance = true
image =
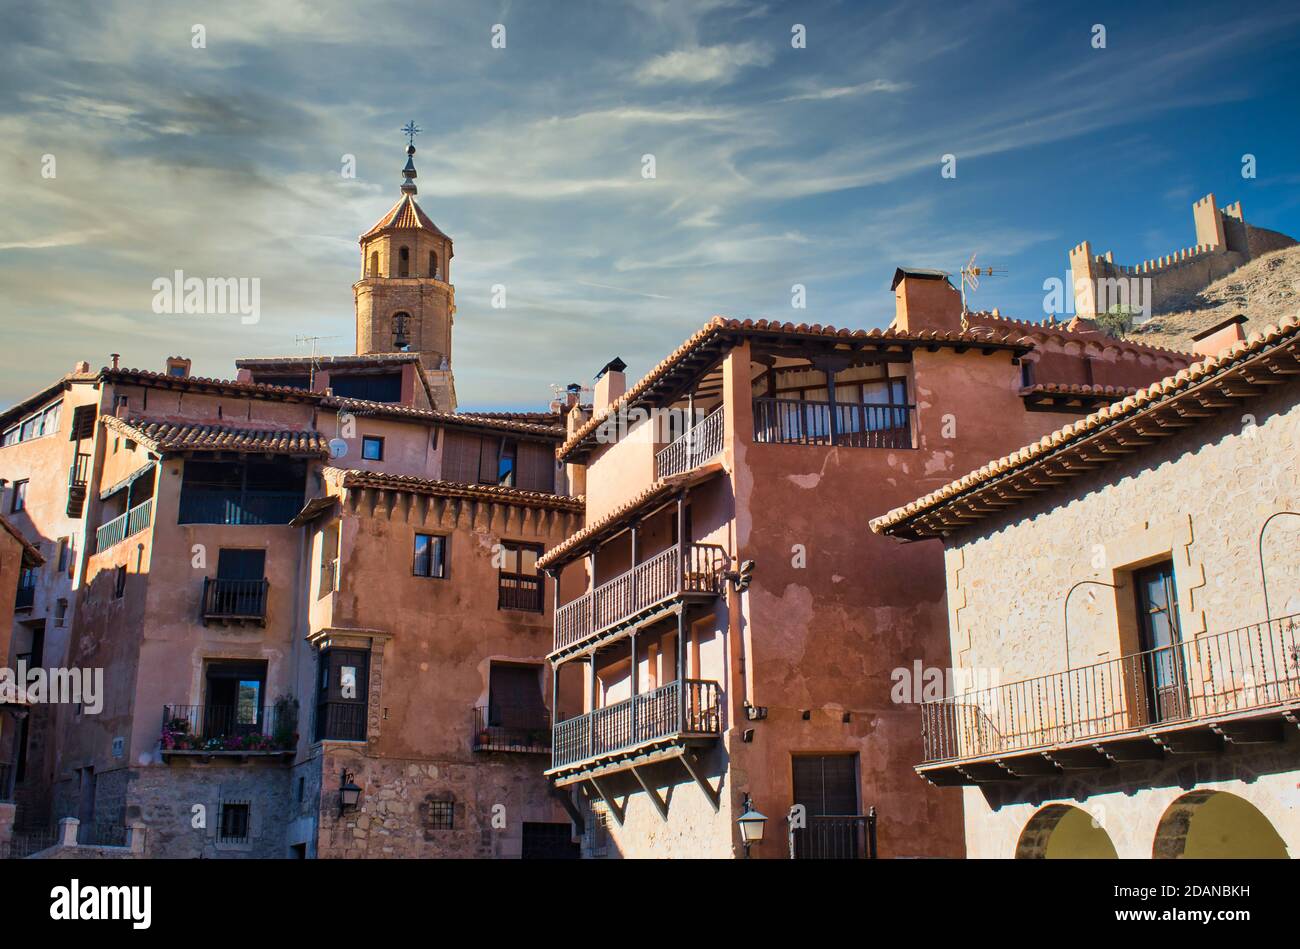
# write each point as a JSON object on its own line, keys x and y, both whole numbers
{"x": 751, "y": 826}
{"x": 349, "y": 794}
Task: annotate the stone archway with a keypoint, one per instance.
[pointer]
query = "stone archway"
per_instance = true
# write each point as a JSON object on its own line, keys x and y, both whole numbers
{"x": 1216, "y": 824}
{"x": 1064, "y": 831}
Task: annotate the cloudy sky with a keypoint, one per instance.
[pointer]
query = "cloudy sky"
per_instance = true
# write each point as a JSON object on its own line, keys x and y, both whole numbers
{"x": 774, "y": 165}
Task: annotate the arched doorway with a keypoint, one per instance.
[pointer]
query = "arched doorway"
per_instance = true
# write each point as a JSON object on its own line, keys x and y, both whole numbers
{"x": 1210, "y": 824}
{"x": 1063, "y": 831}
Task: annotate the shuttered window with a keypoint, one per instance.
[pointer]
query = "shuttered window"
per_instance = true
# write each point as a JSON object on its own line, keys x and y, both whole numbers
{"x": 826, "y": 784}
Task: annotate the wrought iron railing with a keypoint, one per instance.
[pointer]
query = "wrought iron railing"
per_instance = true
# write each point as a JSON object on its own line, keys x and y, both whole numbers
{"x": 79, "y": 470}
{"x": 211, "y": 728}
{"x": 519, "y": 593}
{"x": 847, "y": 837}
{"x": 235, "y": 599}
{"x": 657, "y": 580}
{"x": 24, "y": 843}
{"x": 846, "y": 424}
{"x": 238, "y": 508}
{"x": 124, "y": 525}
{"x": 699, "y": 444}
{"x": 1211, "y": 676}
{"x": 340, "y": 721}
{"x": 647, "y": 717}
{"x": 525, "y": 728}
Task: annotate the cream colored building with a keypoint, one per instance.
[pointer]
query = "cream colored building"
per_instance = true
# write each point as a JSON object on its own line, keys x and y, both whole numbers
{"x": 1124, "y": 609}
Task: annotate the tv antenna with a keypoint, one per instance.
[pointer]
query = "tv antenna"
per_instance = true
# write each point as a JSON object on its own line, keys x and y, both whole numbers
{"x": 970, "y": 277}
{"x": 301, "y": 340}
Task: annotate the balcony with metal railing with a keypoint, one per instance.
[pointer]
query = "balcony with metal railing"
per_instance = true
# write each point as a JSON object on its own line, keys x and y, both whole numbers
{"x": 235, "y": 601}
{"x": 255, "y": 508}
{"x": 843, "y": 424}
{"x": 124, "y": 525}
{"x": 650, "y": 726}
{"x": 513, "y": 728}
{"x": 1241, "y": 686}
{"x": 692, "y": 448}
{"x": 228, "y": 730}
{"x": 694, "y": 571}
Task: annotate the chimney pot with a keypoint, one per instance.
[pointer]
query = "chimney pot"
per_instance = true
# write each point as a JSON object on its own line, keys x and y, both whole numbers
{"x": 115, "y": 357}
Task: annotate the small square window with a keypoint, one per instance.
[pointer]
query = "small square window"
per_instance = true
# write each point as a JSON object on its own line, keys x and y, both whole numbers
{"x": 372, "y": 448}
{"x": 430, "y": 556}
{"x": 442, "y": 815}
{"x": 234, "y": 822}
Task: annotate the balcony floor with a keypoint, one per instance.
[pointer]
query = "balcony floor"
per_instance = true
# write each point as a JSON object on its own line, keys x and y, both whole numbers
{"x": 1159, "y": 742}
{"x": 651, "y": 614}
{"x": 646, "y": 753}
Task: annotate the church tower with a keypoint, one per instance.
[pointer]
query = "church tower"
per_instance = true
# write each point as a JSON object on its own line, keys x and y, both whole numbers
{"x": 404, "y": 300}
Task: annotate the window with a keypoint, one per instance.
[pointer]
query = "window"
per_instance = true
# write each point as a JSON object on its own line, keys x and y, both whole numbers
{"x": 232, "y": 703}
{"x": 826, "y": 785}
{"x": 519, "y": 582}
{"x": 234, "y": 822}
{"x": 372, "y": 448}
{"x": 119, "y": 584}
{"x": 442, "y": 815}
{"x": 44, "y": 422}
{"x": 433, "y": 264}
{"x": 1164, "y": 677}
{"x": 404, "y": 262}
{"x": 63, "y": 554}
{"x": 343, "y": 695}
{"x": 506, "y": 462}
{"x": 381, "y": 387}
{"x": 60, "y": 612}
{"x": 26, "y": 596}
{"x": 516, "y": 713}
{"x": 19, "y": 501}
{"x": 374, "y": 264}
{"x": 430, "y": 556}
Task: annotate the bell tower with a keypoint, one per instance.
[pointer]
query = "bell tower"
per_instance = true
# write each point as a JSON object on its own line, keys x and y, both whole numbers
{"x": 405, "y": 301}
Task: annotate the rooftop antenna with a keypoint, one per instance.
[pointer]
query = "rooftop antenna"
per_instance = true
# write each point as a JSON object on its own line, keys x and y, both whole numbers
{"x": 313, "y": 340}
{"x": 970, "y": 277}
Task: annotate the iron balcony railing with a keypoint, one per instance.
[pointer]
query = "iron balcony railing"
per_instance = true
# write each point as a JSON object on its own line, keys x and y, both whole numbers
{"x": 847, "y": 837}
{"x": 235, "y": 599}
{"x": 524, "y": 728}
{"x": 340, "y": 721}
{"x": 517, "y": 592}
{"x": 649, "y": 716}
{"x": 648, "y": 584}
{"x": 1208, "y": 677}
{"x": 124, "y": 525}
{"x": 25, "y": 843}
{"x": 79, "y": 470}
{"x": 699, "y": 444}
{"x": 846, "y": 424}
{"x": 212, "y": 728}
{"x": 238, "y": 507}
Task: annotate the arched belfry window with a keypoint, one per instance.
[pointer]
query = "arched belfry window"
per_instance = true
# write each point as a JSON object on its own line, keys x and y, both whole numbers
{"x": 374, "y": 263}
{"x": 401, "y": 332}
{"x": 433, "y": 265}
{"x": 404, "y": 262}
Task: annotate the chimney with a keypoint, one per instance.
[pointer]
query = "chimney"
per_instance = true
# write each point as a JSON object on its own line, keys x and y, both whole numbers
{"x": 178, "y": 366}
{"x": 925, "y": 300}
{"x": 81, "y": 368}
{"x": 610, "y": 384}
{"x": 123, "y": 407}
{"x": 1220, "y": 337}
{"x": 115, "y": 357}
{"x": 573, "y": 394}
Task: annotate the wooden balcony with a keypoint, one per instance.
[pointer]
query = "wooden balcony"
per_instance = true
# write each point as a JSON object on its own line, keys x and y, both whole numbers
{"x": 1240, "y": 686}
{"x": 651, "y": 726}
{"x": 694, "y": 572}
{"x": 842, "y": 424}
{"x": 124, "y": 526}
{"x": 235, "y": 601}
{"x": 693, "y": 448}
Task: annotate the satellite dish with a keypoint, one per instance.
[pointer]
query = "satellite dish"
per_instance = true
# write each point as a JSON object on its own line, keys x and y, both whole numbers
{"x": 338, "y": 447}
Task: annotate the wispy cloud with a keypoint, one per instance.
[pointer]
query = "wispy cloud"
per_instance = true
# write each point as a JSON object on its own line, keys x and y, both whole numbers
{"x": 713, "y": 64}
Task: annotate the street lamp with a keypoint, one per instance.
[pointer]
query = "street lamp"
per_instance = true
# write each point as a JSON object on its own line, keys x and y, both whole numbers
{"x": 349, "y": 794}
{"x": 751, "y": 826}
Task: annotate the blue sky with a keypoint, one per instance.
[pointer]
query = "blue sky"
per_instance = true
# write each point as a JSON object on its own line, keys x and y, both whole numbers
{"x": 774, "y": 165}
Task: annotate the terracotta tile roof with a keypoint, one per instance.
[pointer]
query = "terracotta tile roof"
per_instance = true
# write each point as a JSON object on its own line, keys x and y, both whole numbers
{"x": 722, "y": 328}
{"x": 355, "y": 478}
{"x": 661, "y": 489}
{"x": 364, "y": 407}
{"x": 405, "y": 215}
{"x": 1272, "y": 355}
{"x": 344, "y": 359}
{"x": 165, "y": 436}
{"x": 1081, "y": 330}
{"x": 31, "y": 553}
{"x": 1071, "y": 388}
{"x": 164, "y": 380}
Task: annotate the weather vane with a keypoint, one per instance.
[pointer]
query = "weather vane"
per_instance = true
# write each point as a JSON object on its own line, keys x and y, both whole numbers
{"x": 410, "y": 130}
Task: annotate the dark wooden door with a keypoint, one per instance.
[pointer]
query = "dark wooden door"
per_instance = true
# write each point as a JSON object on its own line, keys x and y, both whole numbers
{"x": 1162, "y": 659}
{"x": 827, "y": 787}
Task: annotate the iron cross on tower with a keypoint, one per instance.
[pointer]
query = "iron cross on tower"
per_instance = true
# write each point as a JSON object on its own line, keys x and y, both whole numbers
{"x": 410, "y": 130}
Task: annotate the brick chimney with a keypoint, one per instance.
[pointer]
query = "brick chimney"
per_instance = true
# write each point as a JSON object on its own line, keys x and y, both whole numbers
{"x": 925, "y": 300}
{"x": 178, "y": 366}
{"x": 1220, "y": 337}
{"x": 610, "y": 384}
